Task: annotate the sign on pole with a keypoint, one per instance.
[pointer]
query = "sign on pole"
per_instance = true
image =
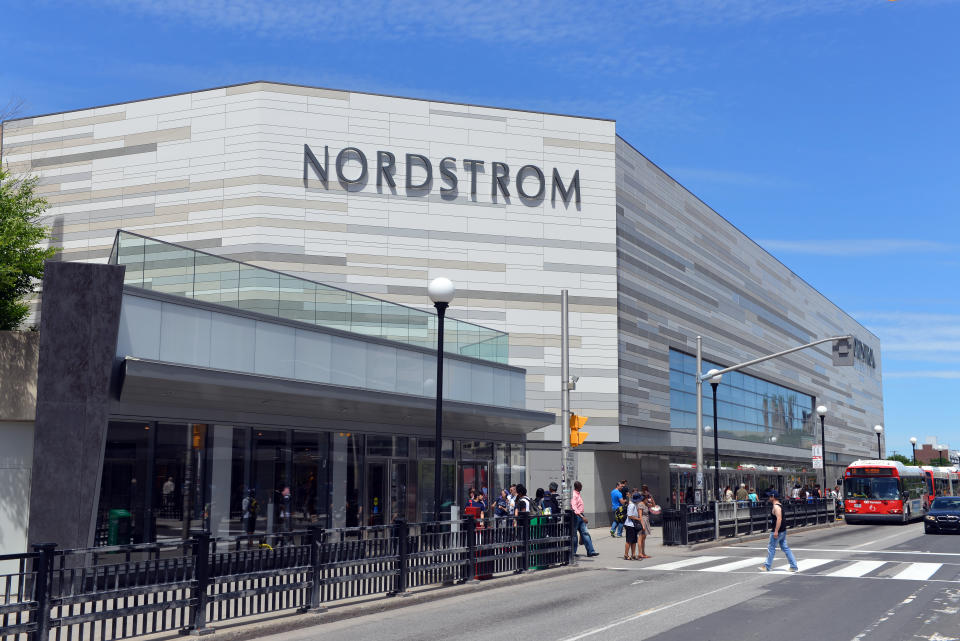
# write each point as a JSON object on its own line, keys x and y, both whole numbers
{"x": 817, "y": 456}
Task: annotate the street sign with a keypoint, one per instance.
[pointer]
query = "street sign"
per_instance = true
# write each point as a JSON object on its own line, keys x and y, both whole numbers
{"x": 842, "y": 352}
{"x": 817, "y": 457}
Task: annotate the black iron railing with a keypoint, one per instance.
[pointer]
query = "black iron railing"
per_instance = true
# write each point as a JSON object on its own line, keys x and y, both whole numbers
{"x": 126, "y": 591}
{"x": 690, "y": 524}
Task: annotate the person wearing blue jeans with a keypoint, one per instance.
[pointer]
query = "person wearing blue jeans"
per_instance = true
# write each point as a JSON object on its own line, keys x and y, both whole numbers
{"x": 576, "y": 504}
{"x": 778, "y": 536}
{"x": 616, "y": 500}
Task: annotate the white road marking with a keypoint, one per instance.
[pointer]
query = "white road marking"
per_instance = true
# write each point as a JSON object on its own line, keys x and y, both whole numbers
{"x": 686, "y": 562}
{"x": 807, "y": 564}
{"x": 646, "y": 613}
{"x": 857, "y": 569}
{"x": 735, "y": 565}
{"x": 883, "y": 538}
{"x": 918, "y": 571}
{"x": 840, "y": 550}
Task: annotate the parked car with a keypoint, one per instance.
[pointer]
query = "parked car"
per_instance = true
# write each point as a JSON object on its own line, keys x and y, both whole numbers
{"x": 944, "y": 515}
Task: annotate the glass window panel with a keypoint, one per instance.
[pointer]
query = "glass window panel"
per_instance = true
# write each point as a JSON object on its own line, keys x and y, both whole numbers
{"x": 130, "y": 250}
{"x": 365, "y": 315}
{"x": 259, "y": 290}
{"x": 167, "y": 268}
{"x": 216, "y": 280}
{"x": 333, "y": 308}
{"x": 124, "y": 485}
{"x": 396, "y": 322}
{"x": 311, "y": 479}
{"x": 297, "y": 299}
{"x": 270, "y": 480}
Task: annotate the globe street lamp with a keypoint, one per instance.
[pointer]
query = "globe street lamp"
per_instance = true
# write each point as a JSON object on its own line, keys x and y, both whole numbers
{"x": 879, "y": 430}
{"x": 913, "y": 444}
{"x": 714, "y": 381}
{"x": 441, "y": 292}
{"x": 822, "y": 413}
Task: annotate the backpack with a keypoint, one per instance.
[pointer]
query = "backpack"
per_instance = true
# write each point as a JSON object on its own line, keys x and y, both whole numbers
{"x": 620, "y": 514}
{"x": 534, "y": 508}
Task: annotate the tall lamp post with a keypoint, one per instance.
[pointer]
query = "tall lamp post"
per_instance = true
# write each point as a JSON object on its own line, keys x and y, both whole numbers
{"x": 822, "y": 413}
{"x": 879, "y": 430}
{"x": 714, "y": 381}
{"x": 441, "y": 292}
{"x": 913, "y": 444}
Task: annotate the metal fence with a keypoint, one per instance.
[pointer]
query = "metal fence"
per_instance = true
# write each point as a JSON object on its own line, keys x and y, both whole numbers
{"x": 697, "y": 523}
{"x": 120, "y": 592}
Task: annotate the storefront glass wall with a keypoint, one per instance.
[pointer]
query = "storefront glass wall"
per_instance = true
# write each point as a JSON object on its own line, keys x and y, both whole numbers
{"x": 163, "y": 480}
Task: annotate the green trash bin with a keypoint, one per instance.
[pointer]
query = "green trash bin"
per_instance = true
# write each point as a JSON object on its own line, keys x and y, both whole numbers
{"x": 536, "y": 532}
{"x": 118, "y": 532}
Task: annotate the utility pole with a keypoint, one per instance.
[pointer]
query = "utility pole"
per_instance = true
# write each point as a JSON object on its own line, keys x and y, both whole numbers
{"x": 699, "y": 495}
{"x": 566, "y": 462}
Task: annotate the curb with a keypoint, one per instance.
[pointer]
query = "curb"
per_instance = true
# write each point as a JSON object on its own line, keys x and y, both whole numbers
{"x": 290, "y": 621}
{"x": 747, "y": 538}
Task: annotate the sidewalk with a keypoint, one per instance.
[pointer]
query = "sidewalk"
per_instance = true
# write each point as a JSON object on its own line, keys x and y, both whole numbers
{"x": 611, "y": 549}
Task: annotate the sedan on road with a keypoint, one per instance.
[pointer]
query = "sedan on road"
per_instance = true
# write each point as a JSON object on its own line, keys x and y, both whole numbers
{"x": 944, "y": 515}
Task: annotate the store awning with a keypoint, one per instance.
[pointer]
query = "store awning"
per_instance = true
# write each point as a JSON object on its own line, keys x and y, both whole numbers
{"x": 170, "y": 390}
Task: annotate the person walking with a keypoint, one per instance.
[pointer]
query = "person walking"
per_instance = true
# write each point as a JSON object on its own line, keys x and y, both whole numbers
{"x": 576, "y": 504}
{"x": 742, "y": 492}
{"x": 778, "y": 535}
{"x": 616, "y": 500}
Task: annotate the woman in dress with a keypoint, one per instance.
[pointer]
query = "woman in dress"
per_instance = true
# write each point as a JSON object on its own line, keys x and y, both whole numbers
{"x": 644, "y": 524}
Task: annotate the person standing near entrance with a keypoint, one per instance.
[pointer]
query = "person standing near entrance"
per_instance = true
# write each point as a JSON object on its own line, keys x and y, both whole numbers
{"x": 778, "y": 535}
{"x": 576, "y": 504}
{"x": 617, "y": 500}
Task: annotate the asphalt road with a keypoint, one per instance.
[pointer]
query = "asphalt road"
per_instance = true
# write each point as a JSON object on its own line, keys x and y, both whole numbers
{"x": 870, "y": 583}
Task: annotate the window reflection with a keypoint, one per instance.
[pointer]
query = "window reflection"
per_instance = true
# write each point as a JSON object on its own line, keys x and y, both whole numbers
{"x": 748, "y": 408}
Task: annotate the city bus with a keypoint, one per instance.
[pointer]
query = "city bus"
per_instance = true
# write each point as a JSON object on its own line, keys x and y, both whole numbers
{"x": 939, "y": 481}
{"x": 883, "y": 492}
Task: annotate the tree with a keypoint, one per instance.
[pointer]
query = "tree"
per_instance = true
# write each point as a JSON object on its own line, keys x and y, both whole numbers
{"x": 900, "y": 457}
{"x": 21, "y": 257}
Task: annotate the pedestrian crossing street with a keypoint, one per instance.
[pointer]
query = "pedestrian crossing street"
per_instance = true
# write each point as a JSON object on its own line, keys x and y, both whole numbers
{"x": 847, "y": 568}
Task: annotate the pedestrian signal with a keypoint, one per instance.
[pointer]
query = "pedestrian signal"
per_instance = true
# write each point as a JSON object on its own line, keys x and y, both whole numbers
{"x": 576, "y": 436}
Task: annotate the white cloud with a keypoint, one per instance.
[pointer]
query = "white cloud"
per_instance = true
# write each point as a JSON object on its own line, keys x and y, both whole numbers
{"x": 857, "y": 246}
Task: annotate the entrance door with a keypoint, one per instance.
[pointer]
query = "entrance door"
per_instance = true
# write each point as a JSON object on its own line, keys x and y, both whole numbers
{"x": 472, "y": 476}
{"x": 398, "y": 490}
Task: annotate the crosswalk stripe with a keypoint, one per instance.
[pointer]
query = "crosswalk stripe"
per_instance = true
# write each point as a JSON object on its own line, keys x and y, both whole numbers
{"x": 686, "y": 562}
{"x": 807, "y": 564}
{"x": 918, "y": 571}
{"x": 735, "y": 565}
{"x": 857, "y": 569}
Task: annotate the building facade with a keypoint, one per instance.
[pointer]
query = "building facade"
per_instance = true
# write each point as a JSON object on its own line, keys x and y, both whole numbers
{"x": 379, "y": 194}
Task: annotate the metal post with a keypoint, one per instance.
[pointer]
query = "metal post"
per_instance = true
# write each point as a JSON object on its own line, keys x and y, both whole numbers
{"x": 879, "y": 449}
{"x": 470, "y": 531}
{"x": 716, "y": 462}
{"x": 823, "y": 457}
{"x": 315, "y": 538}
{"x": 564, "y": 397}
{"x": 43, "y": 570}
{"x": 699, "y": 495}
{"x": 402, "y": 532}
{"x": 571, "y": 520}
{"x": 438, "y": 445}
{"x": 524, "y": 522}
{"x": 201, "y": 579}
{"x": 914, "y": 446}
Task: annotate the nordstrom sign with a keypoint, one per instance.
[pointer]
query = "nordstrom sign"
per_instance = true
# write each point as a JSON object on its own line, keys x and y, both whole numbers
{"x": 353, "y": 170}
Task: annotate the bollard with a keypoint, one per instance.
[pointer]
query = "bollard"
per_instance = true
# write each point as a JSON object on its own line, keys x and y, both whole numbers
{"x": 470, "y": 531}
{"x": 201, "y": 579}
{"x": 315, "y": 536}
{"x": 43, "y": 570}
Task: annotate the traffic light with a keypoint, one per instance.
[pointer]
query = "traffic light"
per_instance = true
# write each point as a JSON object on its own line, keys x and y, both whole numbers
{"x": 576, "y": 436}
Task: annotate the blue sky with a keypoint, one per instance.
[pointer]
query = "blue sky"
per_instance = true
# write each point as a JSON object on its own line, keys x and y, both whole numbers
{"x": 827, "y": 130}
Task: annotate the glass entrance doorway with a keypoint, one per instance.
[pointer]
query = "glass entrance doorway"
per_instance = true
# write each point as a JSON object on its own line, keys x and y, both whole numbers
{"x": 389, "y": 496}
{"x": 472, "y": 475}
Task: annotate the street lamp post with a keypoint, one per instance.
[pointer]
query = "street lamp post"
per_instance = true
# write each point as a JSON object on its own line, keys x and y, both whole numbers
{"x": 441, "y": 292}
{"x": 913, "y": 444}
{"x": 714, "y": 381}
{"x": 822, "y": 413}
{"x": 879, "y": 430}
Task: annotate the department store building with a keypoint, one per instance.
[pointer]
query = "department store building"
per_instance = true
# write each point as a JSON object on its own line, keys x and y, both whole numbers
{"x": 271, "y": 326}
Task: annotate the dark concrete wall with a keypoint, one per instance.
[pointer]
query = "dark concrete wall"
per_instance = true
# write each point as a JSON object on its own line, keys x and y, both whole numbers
{"x": 80, "y": 316}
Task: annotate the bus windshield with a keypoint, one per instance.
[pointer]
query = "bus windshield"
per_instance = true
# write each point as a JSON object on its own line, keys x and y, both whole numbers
{"x": 886, "y": 489}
